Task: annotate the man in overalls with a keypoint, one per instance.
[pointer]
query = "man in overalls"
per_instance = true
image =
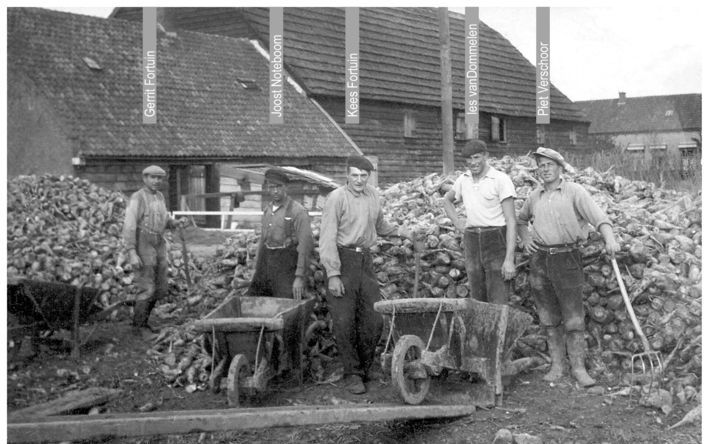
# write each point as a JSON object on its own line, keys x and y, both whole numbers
{"x": 145, "y": 223}
{"x": 286, "y": 243}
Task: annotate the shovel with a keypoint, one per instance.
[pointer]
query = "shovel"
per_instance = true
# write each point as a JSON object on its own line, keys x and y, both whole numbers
{"x": 653, "y": 358}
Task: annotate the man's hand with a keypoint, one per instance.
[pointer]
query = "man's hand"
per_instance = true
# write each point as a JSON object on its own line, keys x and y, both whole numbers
{"x": 459, "y": 224}
{"x": 529, "y": 245}
{"x": 612, "y": 247}
{"x": 336, "y": 287}
{"x": 298, "y": 287}
{"x": 134, "y": 260}
{"x": 508, "y": 269}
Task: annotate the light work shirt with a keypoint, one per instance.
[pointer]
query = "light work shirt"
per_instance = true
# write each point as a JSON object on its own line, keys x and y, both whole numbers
{"x": 350, "y": 219}
{"x": 274, "y": 232}
{"x": 561, "y": 215}
{"x": 146, "y": 210}
{"x": 482, "y": 200}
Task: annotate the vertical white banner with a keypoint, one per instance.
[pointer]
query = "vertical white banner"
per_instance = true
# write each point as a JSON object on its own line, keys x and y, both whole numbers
{"x": 472, "y": 70}
{"x": 277, "y": 70}
{"x": 543, "y": 67}
{"x": 150, "y": 81}
{"x": 352, "y": 65}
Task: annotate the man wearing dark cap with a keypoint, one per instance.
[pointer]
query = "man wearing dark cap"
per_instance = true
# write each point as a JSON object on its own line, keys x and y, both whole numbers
{"x": 286, "y": 243}
{"x": 489, "y": 229}
{"x": 560, "y": 212}
{"x": 145, "y": 223}
{"x": 351, "y": 220}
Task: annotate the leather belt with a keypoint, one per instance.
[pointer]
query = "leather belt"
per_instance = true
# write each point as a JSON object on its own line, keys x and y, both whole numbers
{"x": 483, "y": 229}
{"x": 360, "y": 250}
{"x": 557, "y": 249}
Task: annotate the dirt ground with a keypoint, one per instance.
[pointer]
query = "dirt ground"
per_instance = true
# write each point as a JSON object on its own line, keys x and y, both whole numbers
{"x": 115, "y": 357}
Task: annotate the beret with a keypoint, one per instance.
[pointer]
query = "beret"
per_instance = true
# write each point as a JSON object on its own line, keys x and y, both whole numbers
{"x": 154, "y": 170}
{"x": 275, "y": 176}
{"x": 474, "y": 146}
{"x": 359, "y": 162}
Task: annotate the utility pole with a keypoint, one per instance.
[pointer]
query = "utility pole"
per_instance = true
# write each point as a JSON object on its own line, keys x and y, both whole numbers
{"x": 446, "y": 91}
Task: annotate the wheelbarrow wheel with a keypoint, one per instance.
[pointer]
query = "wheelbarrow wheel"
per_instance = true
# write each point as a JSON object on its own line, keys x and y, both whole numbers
{"x": 238, "y": 372}
{"x": 408, "y": 374}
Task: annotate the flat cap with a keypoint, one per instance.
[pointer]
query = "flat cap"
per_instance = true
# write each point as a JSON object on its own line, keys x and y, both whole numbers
{"x": 273, "y": 175}
{"x": 154, "y": 170}
{"x": 359, "y": 162}
{"x": 474, "y": 146}
{"x": 553, "y": 155}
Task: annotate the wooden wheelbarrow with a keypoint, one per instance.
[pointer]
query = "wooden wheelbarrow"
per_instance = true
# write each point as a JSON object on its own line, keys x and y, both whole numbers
{"x": 428, "y": 335}
{"x": 40, "y": 306}
{"x": 258, "y": 338}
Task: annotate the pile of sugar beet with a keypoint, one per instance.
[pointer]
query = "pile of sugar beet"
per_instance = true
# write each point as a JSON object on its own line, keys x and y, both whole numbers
{"x": 68, "y": 230}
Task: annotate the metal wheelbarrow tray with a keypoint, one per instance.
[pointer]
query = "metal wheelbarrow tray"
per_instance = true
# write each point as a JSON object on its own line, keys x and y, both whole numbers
{"x": 258, "y": 338}
{"x": 430, "y": 334}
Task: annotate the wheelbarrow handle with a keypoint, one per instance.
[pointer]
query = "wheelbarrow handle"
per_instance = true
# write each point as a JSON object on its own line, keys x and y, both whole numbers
{"x": 629, "y": 306}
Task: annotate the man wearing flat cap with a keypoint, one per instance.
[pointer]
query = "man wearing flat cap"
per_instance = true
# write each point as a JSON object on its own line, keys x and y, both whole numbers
{"x": 145, "y": 223}
{"x": 351, "y": 221}
{"x": 559, "y": 213}
{"x": 286, "y": 243}
{"x": 489, "y": 228}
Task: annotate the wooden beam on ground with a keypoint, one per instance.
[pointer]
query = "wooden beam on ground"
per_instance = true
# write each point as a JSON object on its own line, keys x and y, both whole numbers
{"x": 74, "y": 400}
{"x": 70, "y": 428}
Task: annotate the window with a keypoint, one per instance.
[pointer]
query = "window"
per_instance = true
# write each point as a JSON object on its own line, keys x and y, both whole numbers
{"x": 92, "y": 64}
{"x": 572, "y": 137}
{"x": 541, "y": 135}
{"x": 669, "y": 113}
{"x": 636, "y": 148}
{"x": 498, "y": 129}
{"x": 247, "y": 83}
{"x": 409, "y": 123}
{"x": 689, "y": 158}
{"x": 462, "y": 130}
{"x": 659, "y": 149}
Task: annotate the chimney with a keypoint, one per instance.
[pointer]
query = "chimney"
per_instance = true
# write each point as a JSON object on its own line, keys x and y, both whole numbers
{"x": 621, "y": 98}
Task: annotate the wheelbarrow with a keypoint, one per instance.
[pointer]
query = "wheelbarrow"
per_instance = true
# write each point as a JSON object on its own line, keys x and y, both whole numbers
{"x": 259, "y": 337}
{"x": 39, "y": 306}
{"x": 427, "y": 335}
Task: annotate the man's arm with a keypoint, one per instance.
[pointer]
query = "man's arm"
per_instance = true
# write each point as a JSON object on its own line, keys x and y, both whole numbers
{"x": 130, "y": 228}
{"x": 508, "y": 210}
{"x": 525, "y": 236}
{"x": 329, "y": 223}
{"x": 449, "y": 207}
{"x": 304, "y": 234}
{"x": 589, "y": 210}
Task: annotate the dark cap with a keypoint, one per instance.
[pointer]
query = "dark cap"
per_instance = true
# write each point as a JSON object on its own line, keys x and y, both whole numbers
{"x": 359, "y": 162}
{"x": 474, "y": 146}
{"x": 154, "y": 170}
{"x": 273, "y": 175}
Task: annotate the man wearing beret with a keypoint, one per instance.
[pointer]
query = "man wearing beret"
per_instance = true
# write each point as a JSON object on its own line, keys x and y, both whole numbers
{"x": 559, "y": 213}
{"x": 286, "y": 243}
{"x": 489, "y": 229}
{"x": 351, "y": 220}
{"x": 145, "y": 223}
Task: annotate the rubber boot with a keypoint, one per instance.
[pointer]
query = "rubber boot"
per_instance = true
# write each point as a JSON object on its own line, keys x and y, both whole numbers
{"x": 557, "y": 352}
{"x": 141, "y": 313}
{"x": 576, "y": 346}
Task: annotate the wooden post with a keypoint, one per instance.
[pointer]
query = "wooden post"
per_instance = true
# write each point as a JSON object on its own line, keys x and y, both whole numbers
{"x": 211, "y": 185}
{"x": 75, "y": 331}
{"x": 446, "y": 91}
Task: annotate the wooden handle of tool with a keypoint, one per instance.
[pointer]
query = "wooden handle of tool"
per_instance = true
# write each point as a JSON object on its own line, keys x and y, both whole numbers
{"x": 629, "y": 306}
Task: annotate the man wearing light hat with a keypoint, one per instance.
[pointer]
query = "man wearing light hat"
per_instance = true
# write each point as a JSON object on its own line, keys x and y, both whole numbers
{"x": 489, "y": 229}
{"x": 286, "y": 243}
{"x": 559, "y": 213}
{"x": 145, "y": 223}
{"x": 352, "y": 219}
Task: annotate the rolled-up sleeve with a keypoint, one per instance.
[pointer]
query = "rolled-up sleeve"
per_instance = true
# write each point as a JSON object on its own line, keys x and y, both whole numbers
{"x": 588, "y": 209}
{"x": 525, "y": 214}
{"x": 130, "y": 224}
{"x": 383, "y": 227}
{"x": 329, "y": 256}
{"x": 304, "y": 233}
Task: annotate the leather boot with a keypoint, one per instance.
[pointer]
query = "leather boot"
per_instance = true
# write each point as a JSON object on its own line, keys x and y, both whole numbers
{"x": 576, "y": 346}
{"x": 141, "y": 313}
{"x": 557, "y": 352}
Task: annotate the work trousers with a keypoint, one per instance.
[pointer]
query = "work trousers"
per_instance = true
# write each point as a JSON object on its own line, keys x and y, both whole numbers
{"x": 356, "y": 326}
{"x": 556, "y": 281}
{"x": 151, "y": 279}
{"x": 275, "y": 272}
{"x": 484, "y": 255}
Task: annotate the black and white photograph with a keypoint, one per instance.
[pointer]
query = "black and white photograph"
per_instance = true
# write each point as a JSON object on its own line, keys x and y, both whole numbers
{"x": 424, "y": 223}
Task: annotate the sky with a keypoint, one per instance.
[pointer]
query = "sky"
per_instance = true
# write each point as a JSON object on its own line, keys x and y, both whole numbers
{"x": 642, "y": 49}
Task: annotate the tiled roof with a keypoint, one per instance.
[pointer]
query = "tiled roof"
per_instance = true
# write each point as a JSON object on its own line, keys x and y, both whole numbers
{"x": 399, "y": 55}
{"x": 203, "y": 111}
{"x": 644, "y": 114}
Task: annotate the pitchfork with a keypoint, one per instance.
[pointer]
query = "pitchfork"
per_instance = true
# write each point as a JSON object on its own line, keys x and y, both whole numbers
{"x": 653, "y": 358}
